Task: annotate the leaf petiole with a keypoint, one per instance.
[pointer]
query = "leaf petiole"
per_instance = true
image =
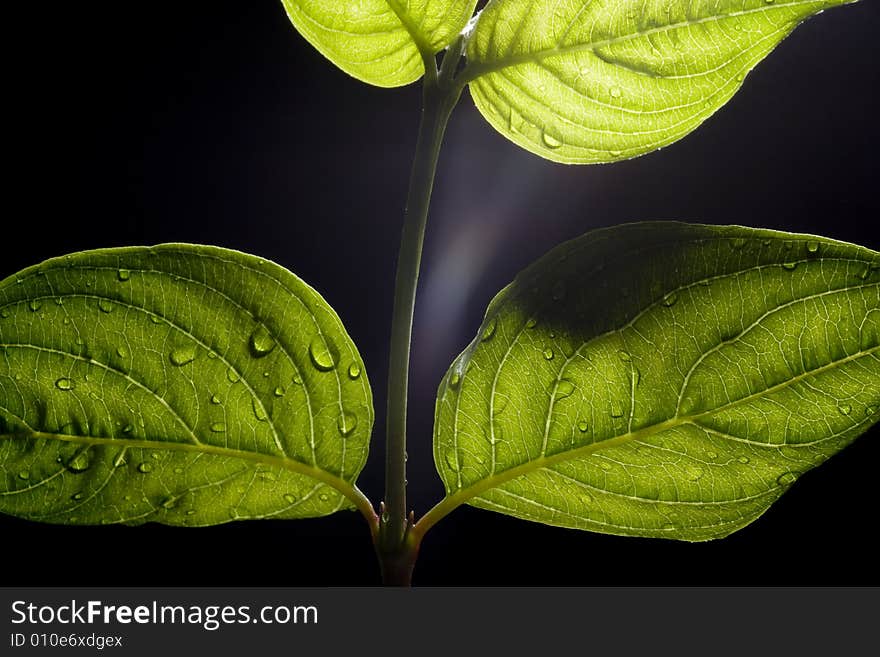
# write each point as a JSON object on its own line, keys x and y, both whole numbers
{"x": 440, "y": 96}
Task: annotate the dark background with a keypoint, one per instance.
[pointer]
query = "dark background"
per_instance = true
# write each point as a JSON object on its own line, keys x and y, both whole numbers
{"x": 140, "y": 123}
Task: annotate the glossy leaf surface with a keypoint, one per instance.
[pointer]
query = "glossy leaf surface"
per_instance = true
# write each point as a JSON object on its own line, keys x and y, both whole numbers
{"x": 663, "y": 379}
{"x": 379, "y": 41}
{"x": 179, "y": 384}
{"x": 588, "y": 82}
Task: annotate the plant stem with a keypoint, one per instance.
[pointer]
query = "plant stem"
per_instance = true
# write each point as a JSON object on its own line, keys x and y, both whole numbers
{"x": 439, "y": 99}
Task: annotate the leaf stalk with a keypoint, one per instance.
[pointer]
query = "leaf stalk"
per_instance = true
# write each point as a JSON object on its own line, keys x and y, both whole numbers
{"x": 440, "y": 95}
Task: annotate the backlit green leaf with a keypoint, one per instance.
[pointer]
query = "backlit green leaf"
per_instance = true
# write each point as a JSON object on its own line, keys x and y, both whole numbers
{"x": 180, "y": 384}
{"x": 663, "y": 379}
{"x": 587, "y": 82}
{"x": 379, "y": 41}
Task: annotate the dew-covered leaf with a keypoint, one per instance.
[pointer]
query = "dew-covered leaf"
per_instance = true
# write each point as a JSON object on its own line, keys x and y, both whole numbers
{"x": 379, "y": 41}
{"x": 588, "y": 82}
{"x": 663, "y": 379}
{"x": 180, "y": 384}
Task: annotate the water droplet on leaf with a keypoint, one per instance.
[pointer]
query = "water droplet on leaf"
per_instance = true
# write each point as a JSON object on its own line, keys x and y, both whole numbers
{"x": 615, "y": 92}
{"x": 564, "y": 389}
{"x": 105, "y": 305}
{"x": 354, "y": 371}
{"x": 670, "y": 299}
{"x": 548, "y": 354}
{"x": 346, "y": 423}
{"x": 489, "y": 331}
{"x": 845, "y": 409}
{"x": 515, "y": 121}
{"x": 261, "y": 342}
{"x": 452, "y": 460}
{"x": 290, "y": 498}
{"x": 183, "y": 355}
{"x": 786, "y": 479}
{"x": 145, "y": 468}
{"x": 812, "y": 246}
{"x": 259, "y": 411}
{"x": 123, "y": 274}
{"x": 320, "y": 355}
{"x": 65, "y": 384}
{"x": 583, "y": 426}
{"x": 233, "y": 376}
{"x": 218, "y": 427}
{"x": 550, "y": 141}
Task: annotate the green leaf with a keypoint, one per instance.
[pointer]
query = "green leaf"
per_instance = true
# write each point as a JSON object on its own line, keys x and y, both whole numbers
{"x": 589, "y": 82}
{"x": 663, "y": 379}
{"x": 180, "y": 384}
{"x": 381, "y": 42}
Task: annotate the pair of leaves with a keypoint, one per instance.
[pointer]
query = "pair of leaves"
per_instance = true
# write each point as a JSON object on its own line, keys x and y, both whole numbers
{"x": 654, "y": 379}
{"x": 576, "y": 82}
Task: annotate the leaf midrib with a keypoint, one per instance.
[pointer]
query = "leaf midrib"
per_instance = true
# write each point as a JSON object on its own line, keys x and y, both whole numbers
{"x": 342, "y": 486}
{"x": 462, "y": 495}
{"x": 478, "y": 68}
{"x": 632, "y": 322}
{"x": 415, "y": 34}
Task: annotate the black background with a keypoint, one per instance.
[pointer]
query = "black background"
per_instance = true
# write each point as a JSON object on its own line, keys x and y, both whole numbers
{"x": 141, "y": 123}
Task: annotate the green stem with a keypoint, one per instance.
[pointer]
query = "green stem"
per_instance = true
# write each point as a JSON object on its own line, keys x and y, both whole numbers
{"x": 440, "y": 97}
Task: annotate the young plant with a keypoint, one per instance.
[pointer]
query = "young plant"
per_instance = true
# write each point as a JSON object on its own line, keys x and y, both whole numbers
{"x": 657, "y": 379}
